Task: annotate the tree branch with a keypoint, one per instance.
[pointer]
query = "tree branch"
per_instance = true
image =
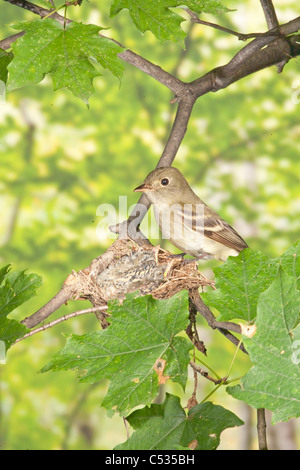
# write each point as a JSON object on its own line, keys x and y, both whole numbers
{"x": 270, "y": 13}
{"x": 57, "y": 301}
{"x": 61, "y": 319}
{"x": 218, "y": 78}
{"x": 250, "y": 59}
{"x": 261, "y": 429}
{"x": 204, "y": 373}
{"x": 156, "y": 72}
{"x": 42, "y": 12}
{"x": 240, "y": 36}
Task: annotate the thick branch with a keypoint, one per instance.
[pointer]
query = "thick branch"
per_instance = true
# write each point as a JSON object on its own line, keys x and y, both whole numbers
{"x": 237, "y": 68}
{"x": 248, "y": 60}
{"x": 57, "y": 301}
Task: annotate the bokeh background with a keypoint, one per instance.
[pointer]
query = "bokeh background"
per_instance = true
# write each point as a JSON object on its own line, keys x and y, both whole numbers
{"x": 60, "y": 160}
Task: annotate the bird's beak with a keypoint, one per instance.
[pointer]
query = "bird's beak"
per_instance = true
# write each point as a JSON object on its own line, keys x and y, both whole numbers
{"x": 143, "y": 188}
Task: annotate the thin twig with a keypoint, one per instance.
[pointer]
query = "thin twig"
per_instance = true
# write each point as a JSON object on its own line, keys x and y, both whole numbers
{"x": 273, "y": 23}
{"x": 204, "y": 373}
{"x": 240, "y": 36}
{"x": 61, "y": 319}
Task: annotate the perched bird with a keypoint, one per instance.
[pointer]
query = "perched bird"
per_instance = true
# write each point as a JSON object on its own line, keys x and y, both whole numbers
{"x": 186, "y": 220}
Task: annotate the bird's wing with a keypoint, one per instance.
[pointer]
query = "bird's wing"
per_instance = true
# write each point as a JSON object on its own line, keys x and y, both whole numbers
{"x": 198, "y": 217}
{"x": 220, "y": 231}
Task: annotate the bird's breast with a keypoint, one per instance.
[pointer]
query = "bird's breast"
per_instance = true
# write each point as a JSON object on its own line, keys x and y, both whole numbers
{"x": 181, "y": 224}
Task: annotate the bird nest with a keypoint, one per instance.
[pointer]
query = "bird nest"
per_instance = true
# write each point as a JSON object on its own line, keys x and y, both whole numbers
{"x": 128, "y": 267}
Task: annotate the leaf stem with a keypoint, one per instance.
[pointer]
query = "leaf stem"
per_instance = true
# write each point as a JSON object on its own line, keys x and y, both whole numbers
{"x": 233, "y": 359}
{"x": 225, "y": 380}
{"x": 65, "y": 16}
{"x": 211, "y": 392}
{"x": 55, "y": 11}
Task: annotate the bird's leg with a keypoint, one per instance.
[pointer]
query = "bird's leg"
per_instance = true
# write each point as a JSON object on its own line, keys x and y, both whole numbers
{"x": 203, "y": 256}
{"x": 178, "y": 255}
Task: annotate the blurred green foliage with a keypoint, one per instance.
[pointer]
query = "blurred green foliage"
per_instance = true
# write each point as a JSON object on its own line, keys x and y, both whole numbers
{"x": 60, "y": 160}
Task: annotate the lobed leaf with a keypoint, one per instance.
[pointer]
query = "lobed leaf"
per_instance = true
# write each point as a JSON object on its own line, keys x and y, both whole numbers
{"x": 159, "y": 19}
{"x": 239, "y": 282}
{"x": 242, "y": 279}
{"x": 18, "y": 288}
{"x": 5, "y": 59}
{"x": 66, "y": 53}
{"x": 142, "y": 331}
{"x": 274, "y": 380}
{"x": 167, "y": 426}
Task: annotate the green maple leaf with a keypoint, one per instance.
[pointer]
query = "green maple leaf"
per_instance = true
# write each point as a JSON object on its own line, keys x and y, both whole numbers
{"x": 290, "y": 262}
{"x": 243, "y": 278}
{"x": 205, "y": 6}
{"x": 67, "y": 54}
{"x": 17, "y": 288}
{"x": 159, "y": 19}
{"x": 168, "y": 427}
{"x": 142, "y": 331}
{"x": 274, "y": 380}
{"x": 239, "y": 282}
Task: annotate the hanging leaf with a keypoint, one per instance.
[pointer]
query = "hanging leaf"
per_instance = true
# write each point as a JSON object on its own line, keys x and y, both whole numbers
{"x": 67, "y": 54}
{"x": 239, "y": 282}
{"x": 274, "y": 380}
{"x": 18, "y": 288}
{"x": 159, "y": 19}
{"x": 243, "y": 278}
{"x": 5, "y": 59}
{"x": 168, "y": 427}
{"x": 142, "y": 332}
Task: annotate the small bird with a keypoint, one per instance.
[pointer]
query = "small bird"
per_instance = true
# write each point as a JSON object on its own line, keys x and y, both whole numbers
{"x": 186, "y": 220}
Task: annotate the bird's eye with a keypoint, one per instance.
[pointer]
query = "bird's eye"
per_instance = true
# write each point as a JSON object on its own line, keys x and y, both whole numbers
{"x": 164, "y": 182}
